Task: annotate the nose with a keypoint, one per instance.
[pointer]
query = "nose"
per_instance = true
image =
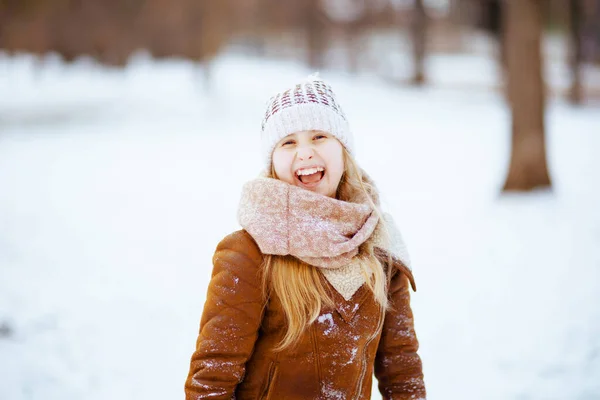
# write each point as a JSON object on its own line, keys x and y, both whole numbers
{"x": 305, "y": 153}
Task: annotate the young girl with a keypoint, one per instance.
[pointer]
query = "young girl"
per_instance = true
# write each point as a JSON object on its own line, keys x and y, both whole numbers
{"x": 311, "y": 297}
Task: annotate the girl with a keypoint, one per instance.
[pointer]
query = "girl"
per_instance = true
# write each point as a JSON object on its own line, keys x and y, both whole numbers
{"x": 311, "y": 297}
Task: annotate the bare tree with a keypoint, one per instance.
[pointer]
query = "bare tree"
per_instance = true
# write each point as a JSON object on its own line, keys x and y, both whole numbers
{"x": 418, "y": 32}
{"x": 575, "y": 50}
{"x": 528, "y": 168}
{"x": 316, "y": 34}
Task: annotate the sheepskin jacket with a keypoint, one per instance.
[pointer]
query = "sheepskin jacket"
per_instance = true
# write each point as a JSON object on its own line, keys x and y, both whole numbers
{"x": 335, "y": 357}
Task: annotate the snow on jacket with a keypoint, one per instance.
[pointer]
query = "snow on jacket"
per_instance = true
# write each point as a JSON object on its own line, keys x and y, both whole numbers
{"x": 335, "y": 357}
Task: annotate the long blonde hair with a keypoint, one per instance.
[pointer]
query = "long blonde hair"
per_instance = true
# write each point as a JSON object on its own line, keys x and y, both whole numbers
{"x": 299, "y": 286}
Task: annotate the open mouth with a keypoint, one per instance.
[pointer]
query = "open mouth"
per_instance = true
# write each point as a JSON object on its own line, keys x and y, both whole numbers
{"x": 310, "y": 176}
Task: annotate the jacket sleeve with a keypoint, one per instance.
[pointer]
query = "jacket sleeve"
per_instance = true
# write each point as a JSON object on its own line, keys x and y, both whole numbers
{"x": 398, "y": 367}
{"x": 230, "y": 320}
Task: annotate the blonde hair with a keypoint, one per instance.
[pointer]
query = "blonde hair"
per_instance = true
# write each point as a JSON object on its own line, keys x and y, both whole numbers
{"x": 299, "y": 286}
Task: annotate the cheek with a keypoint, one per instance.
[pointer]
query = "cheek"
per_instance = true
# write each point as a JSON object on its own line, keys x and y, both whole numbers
{"x": 282, "y": 166}
{"x": 336, "y": 173}
{"x": 336, "y": 165}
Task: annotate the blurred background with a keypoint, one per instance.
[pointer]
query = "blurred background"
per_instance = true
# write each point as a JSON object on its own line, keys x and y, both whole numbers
{"x": 128, "y": 127}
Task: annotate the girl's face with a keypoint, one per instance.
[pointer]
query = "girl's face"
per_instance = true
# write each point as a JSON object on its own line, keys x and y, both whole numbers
{"x": 312, "y": 160}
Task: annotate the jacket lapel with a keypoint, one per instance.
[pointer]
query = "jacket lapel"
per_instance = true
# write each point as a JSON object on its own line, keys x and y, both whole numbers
{"x": 348, "y": 309}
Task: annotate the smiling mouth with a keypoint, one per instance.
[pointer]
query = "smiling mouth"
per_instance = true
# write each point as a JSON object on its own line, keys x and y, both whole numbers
{"x": 310, "y": 176}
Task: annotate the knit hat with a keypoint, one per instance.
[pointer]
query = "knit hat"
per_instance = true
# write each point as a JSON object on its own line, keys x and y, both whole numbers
{"x": 309, "y": 105}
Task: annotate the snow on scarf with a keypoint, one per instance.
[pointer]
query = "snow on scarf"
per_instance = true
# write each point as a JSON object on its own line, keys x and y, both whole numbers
{"x": 322, "y": 231}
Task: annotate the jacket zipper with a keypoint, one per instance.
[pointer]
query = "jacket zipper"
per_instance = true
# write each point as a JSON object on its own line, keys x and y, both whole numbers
{"x": 364, "y": 356}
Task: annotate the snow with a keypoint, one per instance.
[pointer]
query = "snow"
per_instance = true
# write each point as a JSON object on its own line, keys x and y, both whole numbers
{"x": 116, "y": 186}
{"x": 330, "y": 393}
{"x": 327, "y": 319}
{"x": 352, "y": 359}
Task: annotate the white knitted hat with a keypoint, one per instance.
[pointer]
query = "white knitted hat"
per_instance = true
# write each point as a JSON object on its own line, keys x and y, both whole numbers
{"x": 309, "y": 105}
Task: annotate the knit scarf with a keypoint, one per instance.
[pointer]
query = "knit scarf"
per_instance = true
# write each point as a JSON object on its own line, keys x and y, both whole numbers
{"x": 322, "y": 231}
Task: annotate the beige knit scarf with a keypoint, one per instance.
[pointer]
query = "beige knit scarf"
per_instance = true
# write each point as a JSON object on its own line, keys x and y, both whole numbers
{"x": 322, "y": 231}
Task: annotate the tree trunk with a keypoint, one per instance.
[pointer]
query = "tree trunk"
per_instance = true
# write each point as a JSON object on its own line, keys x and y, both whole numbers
{"x": 419, "y": 31}
{"x": 575, "y": 50}
{"x": 351, "y": 39}
{"x": 528, "y": 168}
{"x": 498, "y": 14}
{"x": 315, "y": 34}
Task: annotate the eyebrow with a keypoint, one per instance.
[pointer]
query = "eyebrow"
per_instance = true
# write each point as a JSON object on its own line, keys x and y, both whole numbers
{"x": 312, "y": 132}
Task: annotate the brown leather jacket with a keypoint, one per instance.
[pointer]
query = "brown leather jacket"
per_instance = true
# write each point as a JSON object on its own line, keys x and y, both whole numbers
{"x": 334, "y": 359}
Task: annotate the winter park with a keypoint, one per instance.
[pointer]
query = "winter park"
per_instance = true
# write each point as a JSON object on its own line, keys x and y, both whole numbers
{"x": 128, "y": 132}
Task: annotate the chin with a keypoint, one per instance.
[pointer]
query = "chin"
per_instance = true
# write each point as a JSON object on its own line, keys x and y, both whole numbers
{"x": 328, "y": 192}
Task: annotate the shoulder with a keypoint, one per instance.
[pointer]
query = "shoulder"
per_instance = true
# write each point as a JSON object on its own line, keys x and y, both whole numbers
{"x": 237, "y": 249}
{"x": 403, "y": 270}
{"x": 399, "y": 272}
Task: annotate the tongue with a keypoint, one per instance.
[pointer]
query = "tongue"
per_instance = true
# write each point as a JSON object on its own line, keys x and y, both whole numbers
{"x": 316, "y": 177}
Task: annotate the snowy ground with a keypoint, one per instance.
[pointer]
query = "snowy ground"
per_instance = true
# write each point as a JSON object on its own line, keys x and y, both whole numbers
{"x": 116, "y": 186}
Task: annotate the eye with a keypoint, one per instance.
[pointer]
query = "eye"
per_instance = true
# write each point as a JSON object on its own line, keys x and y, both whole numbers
{"x": 319, "y": 136}
{"x": 288, "y": 142}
